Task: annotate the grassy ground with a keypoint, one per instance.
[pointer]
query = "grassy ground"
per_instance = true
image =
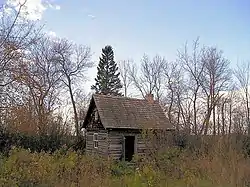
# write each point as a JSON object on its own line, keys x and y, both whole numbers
{"x": 172, "y": 168}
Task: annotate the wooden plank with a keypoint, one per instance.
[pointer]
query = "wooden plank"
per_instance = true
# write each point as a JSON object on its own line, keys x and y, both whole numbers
{"x": 115, "y": 139}
{"x": 89, "y": 138}
{"x": 89, "y": 147}
{"x": 115, "y": 152}
{"x": 102, "y": 134}
{"x": 115, "y": 136}
{"x": 142, "y": 146}
{"x": 118, "y": 155}
{"x": 116, "y": 149}
{"x": 115, "y": 145}
{"x": 102, "y": 143}
{"x": 89, "y": 133}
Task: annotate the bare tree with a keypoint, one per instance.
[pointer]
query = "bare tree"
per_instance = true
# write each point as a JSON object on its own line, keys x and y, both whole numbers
{"x": 230, "y": 102}
{"x": 39, "y": 74}
{"x": 194, "y": 67}
{"x": 149, "y": 78}
{"x": 16, "y": 35}
{"x": 73, "y": 61}
{"x": 242, "y": 74}
{"x": 173, "y": 77}
{"x": 215, "y": 78}
{"x": 82, "y": 100}
{"x": 124, "y": 67}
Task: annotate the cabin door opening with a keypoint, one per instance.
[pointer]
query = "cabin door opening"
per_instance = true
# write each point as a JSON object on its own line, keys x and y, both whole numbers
{"x": 129, "y": 147}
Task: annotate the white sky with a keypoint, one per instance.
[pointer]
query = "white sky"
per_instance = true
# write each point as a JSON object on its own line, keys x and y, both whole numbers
{"x": 33, "y": 9}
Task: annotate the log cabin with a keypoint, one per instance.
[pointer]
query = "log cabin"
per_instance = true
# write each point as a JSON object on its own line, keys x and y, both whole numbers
{"x": 113, "y": 125}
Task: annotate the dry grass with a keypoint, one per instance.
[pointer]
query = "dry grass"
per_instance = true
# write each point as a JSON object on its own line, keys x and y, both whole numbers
{"x": 173, "y": 168}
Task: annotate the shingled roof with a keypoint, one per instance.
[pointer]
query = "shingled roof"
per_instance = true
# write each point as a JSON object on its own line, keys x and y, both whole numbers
{"x": 130, "y": 113}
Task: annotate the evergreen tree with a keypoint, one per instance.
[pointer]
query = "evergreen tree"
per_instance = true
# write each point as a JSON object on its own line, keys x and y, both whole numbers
{"x": 107, "y": 80}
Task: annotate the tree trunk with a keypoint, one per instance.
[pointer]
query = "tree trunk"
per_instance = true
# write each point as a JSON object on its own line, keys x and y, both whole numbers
{"x": 223, "y": 118}
{"x": 207, "y": 117}
{"x": 74, "y": 107}
{"x": 213, "y": 106}
{"x": 230, "y": 118}
{"x": 218, "y": 120}
{"x": 195, "y": 115}
{"x": 248, "y": 113}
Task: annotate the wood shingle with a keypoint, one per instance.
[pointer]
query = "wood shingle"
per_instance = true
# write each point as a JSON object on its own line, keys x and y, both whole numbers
{"x": 128, "y": 113}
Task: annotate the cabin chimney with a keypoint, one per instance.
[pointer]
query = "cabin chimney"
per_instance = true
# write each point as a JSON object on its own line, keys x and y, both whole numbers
{"x": 150, "y": 98}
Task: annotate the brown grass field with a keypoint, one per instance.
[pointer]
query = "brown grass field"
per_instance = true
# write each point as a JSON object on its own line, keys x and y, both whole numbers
{"x": 221, "y": 166}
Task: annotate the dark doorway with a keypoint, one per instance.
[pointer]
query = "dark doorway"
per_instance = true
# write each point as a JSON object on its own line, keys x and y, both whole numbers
{"x": 129, "y": 147}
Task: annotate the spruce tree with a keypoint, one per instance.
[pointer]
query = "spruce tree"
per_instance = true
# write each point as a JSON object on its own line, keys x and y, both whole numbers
{"x": 107, "y": 80}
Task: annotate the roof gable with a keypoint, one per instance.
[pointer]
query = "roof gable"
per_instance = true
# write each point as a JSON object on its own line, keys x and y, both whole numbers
{"x": 90, "y": 118}
{"x": 123, "y": 112}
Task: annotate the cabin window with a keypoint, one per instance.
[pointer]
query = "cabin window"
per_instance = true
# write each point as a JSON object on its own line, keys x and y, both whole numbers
{"x": 95, "y": 140}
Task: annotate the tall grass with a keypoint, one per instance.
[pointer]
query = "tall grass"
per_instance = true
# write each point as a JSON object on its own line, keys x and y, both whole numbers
{"x": 221, "y": 165}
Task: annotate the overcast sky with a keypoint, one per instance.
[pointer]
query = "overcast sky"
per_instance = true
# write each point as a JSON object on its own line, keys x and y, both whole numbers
{"x": 135, "y": 27}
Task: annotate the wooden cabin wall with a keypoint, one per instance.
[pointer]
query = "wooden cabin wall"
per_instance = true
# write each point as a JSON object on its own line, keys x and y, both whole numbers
{"x": 102, "y": 149}
{"x": 141, "y": 146}
{"x": 116, "y": 141}
{"x": 115, "y": 147}
{"x": 111, "y": 143}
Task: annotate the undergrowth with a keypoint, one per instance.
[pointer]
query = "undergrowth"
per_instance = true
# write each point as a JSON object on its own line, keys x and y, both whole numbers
{"x": 173, "y": 167}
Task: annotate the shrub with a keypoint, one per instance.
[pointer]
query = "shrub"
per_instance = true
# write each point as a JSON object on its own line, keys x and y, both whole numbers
{"x": 37, "y": 143}
{"x": 220, "y": 165}
{"x": 121, "y": 168}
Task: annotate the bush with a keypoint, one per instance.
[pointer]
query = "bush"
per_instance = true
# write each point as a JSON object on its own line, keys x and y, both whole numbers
{"x": 203, "y": 161}
{"x": 121, "y": 168}
{"x": 37, "y": 143}
{"x": 173, "y": 167}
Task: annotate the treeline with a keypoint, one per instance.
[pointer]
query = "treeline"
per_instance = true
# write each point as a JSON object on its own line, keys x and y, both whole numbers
{"x": 199, "y": 91}
{"x": 38, "y": 75}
